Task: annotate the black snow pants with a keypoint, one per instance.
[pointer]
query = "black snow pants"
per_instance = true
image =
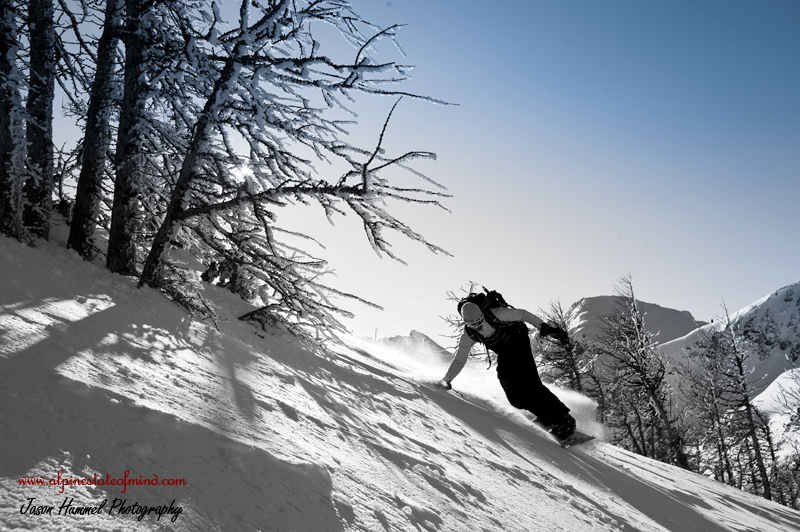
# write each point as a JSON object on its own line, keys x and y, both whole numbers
{"x": 516, "y": 370}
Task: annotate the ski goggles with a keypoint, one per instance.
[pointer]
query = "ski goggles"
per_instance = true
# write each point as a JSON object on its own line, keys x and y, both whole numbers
{"x": 476, "y": 323}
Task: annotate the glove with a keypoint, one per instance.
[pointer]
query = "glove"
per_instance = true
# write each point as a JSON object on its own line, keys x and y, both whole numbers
{"x": 558, "y": 334}
{"x": 444, "y": 383}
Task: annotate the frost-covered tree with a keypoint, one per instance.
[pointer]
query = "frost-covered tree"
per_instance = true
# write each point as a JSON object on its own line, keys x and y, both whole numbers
{"x": 787, "y": 479}
{"x": 640, "y": 401}
{"x": 41, "y": 93}
{"x": 217, "y": 127}
{"x": 743, "y": 390}
{"x": 703, "y": 389}
{"x": 97, "y": 139}
{"x": 789, "y": 399}
{"x": 722, "y": 390}
{"x": 12, "y": 124}
{"x": 570, "y": 364}
{"x": 271, "y": 106}
{"x": 137, "y": 113}
{"x": 140, "y": 26}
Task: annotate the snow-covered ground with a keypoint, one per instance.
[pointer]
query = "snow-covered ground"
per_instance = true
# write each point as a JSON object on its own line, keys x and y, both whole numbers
{"x": 252, "y": 432}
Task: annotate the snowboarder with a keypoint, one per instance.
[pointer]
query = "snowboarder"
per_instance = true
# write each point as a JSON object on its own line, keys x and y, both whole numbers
{"x": 503, "y": 330}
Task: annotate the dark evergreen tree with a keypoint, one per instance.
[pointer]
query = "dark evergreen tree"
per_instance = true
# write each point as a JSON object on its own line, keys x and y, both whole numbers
{"x": 41, "y": 93}
{"x": 132, "y": 150}
{"x": 97, "y": 138}
{"x": 12, "y": 123}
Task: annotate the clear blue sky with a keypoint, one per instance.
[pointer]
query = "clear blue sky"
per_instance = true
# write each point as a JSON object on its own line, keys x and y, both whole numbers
{"x": 592, "y": 139}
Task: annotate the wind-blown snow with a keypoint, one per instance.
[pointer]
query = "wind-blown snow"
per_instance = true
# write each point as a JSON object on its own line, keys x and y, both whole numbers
{"x": 98, "y": 377}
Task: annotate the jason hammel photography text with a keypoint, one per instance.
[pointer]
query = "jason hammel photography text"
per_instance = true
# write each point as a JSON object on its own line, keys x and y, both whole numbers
{"x": 117, "y": 507}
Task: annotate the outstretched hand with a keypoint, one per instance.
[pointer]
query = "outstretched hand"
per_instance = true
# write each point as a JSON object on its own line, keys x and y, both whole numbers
{"x": 557, "y": 333}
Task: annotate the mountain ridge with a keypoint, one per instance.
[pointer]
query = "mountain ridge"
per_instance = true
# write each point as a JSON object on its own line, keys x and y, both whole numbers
{"x": 665, "y": 322}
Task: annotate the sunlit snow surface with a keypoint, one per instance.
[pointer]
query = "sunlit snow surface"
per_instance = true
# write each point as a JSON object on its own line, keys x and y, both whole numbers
{"x": 97, "y": 376}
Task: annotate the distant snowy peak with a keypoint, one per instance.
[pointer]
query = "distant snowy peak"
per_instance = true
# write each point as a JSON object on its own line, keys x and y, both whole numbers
{"x": 770, "y": 329}
{"x": 417, "y": 342}
{"x": 667, "y": 323}
{"x": 782, "y": 307}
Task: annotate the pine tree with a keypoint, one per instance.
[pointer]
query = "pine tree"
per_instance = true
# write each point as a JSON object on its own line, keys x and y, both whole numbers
{"x": 721, "y": 371}
{"x": 705, "y": 390}
{"x": 97, "y": 138}
{"x": 570, "y": 363}
{"x": 41, "y": 93}
{"x": 636, "y": 376}
{"x": 12, "y": 149}
{"x": 737, "y": 370}
{"x": 131, "y": 140}
{"x": 219, "y": 127}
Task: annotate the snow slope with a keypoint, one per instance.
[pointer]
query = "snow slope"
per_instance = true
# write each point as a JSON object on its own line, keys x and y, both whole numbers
{"x": 772, "y": 401}
{"x": 99, "y": 378}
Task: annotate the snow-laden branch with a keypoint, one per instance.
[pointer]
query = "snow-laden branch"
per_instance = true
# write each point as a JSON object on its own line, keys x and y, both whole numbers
{"x": 264, "y": 109}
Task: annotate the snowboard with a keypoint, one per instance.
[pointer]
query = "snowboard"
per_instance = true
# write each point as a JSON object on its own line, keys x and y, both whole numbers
{"x": 577, "y": 438}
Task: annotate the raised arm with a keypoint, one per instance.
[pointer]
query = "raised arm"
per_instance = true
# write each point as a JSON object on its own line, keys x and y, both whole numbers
{"x": 544, "y": 328}
{"x": 517, "y": 314}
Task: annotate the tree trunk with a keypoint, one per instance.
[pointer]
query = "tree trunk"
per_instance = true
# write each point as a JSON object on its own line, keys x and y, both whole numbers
{"x": 675, "y": 442}
{"x": 96, "y": 140}
{"x": 153, "y": 267}
{"x": 121, "y": 256}
{"x": 11, "y": 176}
{"x": 759, "y": 458}
{"x": 39, "y": 188}
{"x": 725, "y": 461}
{"x": 740, "y": 356}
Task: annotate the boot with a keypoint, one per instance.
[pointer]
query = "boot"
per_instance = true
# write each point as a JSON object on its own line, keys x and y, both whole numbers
{"x": 564, "y": 428}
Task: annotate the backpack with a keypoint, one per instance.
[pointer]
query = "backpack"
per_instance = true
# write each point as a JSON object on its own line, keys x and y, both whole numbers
{"x": 491, "y": 299}
{"x": 485, "y": 301}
